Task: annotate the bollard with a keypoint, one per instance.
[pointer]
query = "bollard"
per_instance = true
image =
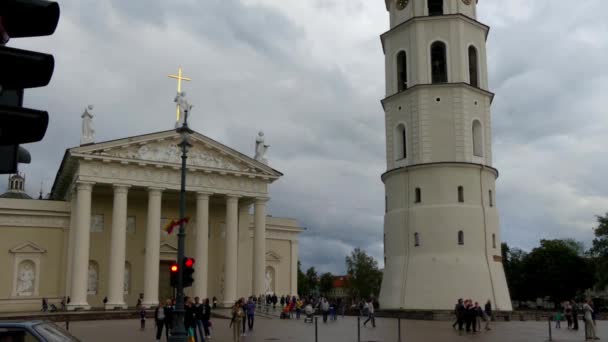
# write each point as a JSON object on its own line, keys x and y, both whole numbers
{"x": 550, "y": 337}
{"x": 358, "y": 328}
{"x": 316, "y": 329}
{"x": 399, "y": 329}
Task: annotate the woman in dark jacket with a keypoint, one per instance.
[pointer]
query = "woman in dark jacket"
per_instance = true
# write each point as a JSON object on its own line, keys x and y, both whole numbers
{"x": 159, "y": 320}
{"x": 206, "y": 313}
{"x": 168, "y": 308}
{"x": 189, "y": 319}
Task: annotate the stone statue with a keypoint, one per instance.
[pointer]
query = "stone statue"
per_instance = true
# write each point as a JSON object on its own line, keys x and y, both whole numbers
{"x": 260, "y": 148}
{"x": 268, "y": 282}
{"x": 184, "y": 107}
{"x": 92, "y": 280}
{"x": 25, "y": 279}
{"x": 88, "y": 133}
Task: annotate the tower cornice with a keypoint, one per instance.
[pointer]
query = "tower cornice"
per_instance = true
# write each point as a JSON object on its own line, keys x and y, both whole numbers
{"x": 412, "y": 20}
{"x": 388, "y": 6}
{"x": 434, "y": 85}
{"x": 447, "y": 163}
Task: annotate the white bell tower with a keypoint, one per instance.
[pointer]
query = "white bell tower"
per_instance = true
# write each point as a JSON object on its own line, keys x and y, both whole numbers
{"x": 441, "y": 233}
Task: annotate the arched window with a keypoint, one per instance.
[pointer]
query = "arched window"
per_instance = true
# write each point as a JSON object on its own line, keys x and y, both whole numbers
{"x": 461, "y": 194}
{"x": 491, "y": 199}
{"x": 473, "y": 74}
{"x": 401, "y": 71}
{"x": 400, "y": 142}
{"x": 416, "y": 240}
{"x": 418, "y": 196}
{"x": 493, "y": 240}
{"x": 439, "y": 66}
{"x": 460, "y": 237}
{"x": 477, "y": 139}
{"x": 435, "y": 7}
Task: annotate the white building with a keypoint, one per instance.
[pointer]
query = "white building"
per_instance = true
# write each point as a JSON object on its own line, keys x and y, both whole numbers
{"x": 441, "y": 233}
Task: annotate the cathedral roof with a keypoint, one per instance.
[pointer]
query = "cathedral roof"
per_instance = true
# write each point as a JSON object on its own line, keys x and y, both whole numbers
{"x": 161, "y": 149}
{"x": 16, "y": 188}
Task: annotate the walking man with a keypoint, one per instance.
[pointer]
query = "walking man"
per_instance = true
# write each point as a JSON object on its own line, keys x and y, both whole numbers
{"x": 370, "y": 313}
{"x": 459, "y": 312}
{"x": 488, "y": 314}
{"x": 250, "y": 313}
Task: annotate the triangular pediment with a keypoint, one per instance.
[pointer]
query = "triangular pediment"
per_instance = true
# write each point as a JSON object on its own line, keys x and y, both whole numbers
{"x": 272, "y": 256}
{"x": 163, "y": 148}
{"x": 167, "y": 248}
{"x": 27, "y": 247}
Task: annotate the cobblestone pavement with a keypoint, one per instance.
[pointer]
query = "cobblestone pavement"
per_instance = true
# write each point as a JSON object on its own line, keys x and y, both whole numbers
{"x": 338, "y": 331}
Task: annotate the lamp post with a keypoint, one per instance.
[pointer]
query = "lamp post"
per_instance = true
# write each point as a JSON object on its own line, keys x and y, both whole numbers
{"x": 179, "y": 333}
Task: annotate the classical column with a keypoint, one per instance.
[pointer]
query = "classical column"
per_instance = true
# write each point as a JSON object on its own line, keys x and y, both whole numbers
{"x": 118, "y": 246}
{"x": 152, "y": 259}
{"x": 201, "y": 249}
{"x": 259, "y": 247}
{"x": 294, "y": 268}
{"x": 71, "y": 237}
{"x": 80, "y": 255}
{"x": 231, "y": 250}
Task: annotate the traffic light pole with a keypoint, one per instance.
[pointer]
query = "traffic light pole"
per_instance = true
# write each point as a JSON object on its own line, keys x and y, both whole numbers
{"x": 179, "y": 334}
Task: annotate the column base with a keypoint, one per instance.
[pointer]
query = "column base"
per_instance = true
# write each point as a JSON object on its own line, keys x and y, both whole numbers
{"x": 119, "y": 306}
{"x": 78, "y": 306}
{"x": 226, "y": 304}
{"x": 149, "y": 305}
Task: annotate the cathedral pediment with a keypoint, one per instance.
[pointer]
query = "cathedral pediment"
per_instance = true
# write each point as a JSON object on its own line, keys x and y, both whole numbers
{"x": 27, "y": 247}
{"x": 167, "y": 248}
{"x": 163, "y": 148}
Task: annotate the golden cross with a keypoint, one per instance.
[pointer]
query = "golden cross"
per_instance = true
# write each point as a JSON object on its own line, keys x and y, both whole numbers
{"x": 179, "y": 78}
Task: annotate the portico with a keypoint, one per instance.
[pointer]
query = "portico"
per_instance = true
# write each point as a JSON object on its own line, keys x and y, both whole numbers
{"x": 134, "y": 183}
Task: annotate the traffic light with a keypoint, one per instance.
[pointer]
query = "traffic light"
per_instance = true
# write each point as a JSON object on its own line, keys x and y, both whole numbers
{"x": 174, "y": 271}
{"x": 22, "y": 69}
{"x": 188, "y": 270}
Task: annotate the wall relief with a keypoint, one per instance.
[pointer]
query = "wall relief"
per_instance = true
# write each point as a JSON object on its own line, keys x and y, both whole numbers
{"x": 26, "y": 277}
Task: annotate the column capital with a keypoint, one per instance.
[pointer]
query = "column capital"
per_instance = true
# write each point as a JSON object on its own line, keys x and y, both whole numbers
{"x": 84, "y": 185}
{"x": 155, "y": 191}
{"x": 232, "y": 196}
{"x": 261, "y": 200}
{"x": 203, "y": 195}
{"x": 121, "y": 188}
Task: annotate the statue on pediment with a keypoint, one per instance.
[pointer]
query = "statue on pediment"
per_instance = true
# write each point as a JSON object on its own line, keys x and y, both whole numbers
{"x": 184, "y": 107}
{"x": 88, "y": 133}
{"x": 260, "y": 148}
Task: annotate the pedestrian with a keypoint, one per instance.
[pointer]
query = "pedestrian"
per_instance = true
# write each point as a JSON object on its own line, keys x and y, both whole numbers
{"x": 206, "y": 317}
{"x": 142, "y": 319}
{"x": 590, "y": 333}
{"x": 189, "y": 318}
{"x": 488, "y": 314}
{"x": 250, "y": 313}
{"x": 198, "y": 317}
{"x": 478, "y": 316}
{"x": 235, "y": 322}
{"x": 45, "y": 305}
{"x": 568, "y": 313}
{"x": 370, "y": 313}
{"x": 324, "y": 306}
{"x": 558, "y": 319}
{"x": 159, "y": 321}
{"x": 169, "y": 313}
{"x": 299, "y": 305}
{"x": 214, "y": 302}
{"x": 332, "y": 311}
{"x": 574, "y": 315}
{"x": 459, "y": 312}
{"x": 105, "y": 301}
{"x": 470, "y": 316}
{"x": 274, "y": 302}
{"x": 63, "y": 306}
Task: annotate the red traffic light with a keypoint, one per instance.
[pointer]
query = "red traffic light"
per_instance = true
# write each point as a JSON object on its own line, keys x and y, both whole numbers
{"x": 174, "y": 268}
{"x": 189, "y": 262}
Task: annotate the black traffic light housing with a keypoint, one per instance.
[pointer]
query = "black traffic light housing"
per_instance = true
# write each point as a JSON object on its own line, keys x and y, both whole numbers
{"x": 174, "y": 272}
{"x": 188, "y": 270}
{"x": 22, "y": 69}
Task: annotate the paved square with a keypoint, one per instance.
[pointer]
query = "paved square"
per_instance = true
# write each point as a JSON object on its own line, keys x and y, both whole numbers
{"x": 338, "y": 331}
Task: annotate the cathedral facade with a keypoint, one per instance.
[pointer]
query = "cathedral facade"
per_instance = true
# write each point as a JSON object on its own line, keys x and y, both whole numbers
{"x": 99, "y": 234}
{"x": 441, "y": 231}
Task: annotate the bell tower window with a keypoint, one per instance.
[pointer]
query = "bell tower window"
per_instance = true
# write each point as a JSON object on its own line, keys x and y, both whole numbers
{"x": 439, "y": 66}
{"x": 477, "y": 139}
{"x": 473, "y": 73}
{"x": 418, "y": 194}
{"x": 460, "y": 237}
{"x": 401, "y": 71}
{"x": 400, "y": 142}
{"x": 460, "y": 194}
{"x": 435, "y": 7}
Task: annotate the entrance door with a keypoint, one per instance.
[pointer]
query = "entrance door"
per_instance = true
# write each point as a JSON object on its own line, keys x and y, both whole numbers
{"x": 165, "y": 291}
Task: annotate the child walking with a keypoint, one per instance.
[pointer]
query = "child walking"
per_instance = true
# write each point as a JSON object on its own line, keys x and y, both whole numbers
{"x": 558, "y": 319}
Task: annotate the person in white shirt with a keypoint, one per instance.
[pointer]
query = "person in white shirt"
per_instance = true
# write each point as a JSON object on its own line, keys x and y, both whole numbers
{"x": 370, "y": 313}
{"x": 589, "y": 324}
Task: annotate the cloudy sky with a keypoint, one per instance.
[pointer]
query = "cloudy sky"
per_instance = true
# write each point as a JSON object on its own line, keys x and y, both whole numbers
{"x": 310, "y": 74}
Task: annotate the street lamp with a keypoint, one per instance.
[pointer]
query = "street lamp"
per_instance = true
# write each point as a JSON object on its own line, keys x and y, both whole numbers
{"x": 179, "y": 333}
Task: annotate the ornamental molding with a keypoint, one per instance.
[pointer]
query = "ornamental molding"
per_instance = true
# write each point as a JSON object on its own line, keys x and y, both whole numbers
{"x": 33, "y": 221}
{"x": 273, "y": 257}
{"x": 27, "y": 247}
{"x": 169, "y": 178}
{"x": 281, "y": 235}
{"x": 167, "y": 248}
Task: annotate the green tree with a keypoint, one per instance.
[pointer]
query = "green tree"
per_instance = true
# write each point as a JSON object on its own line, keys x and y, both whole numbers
{"x": 303, "y": 284}
{"x": 326, "y": 283}
{"x": 556, "y": 269}
{"x": 365, "y": 277}
{"x": 599, "y": 251}
{"x": 312, "y": 280}
{"x": 513, "y": 262}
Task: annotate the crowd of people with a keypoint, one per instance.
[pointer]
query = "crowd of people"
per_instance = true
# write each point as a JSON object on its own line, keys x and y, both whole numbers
{"x": 469, "y": 315}
{"x": 571, "y": 309}
{"x": 197, "y": 319}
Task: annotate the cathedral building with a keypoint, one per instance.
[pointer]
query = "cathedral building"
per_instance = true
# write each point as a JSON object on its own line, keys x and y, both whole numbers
{"x": 441, "y": 233}
{"x": 99, "y": 234}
